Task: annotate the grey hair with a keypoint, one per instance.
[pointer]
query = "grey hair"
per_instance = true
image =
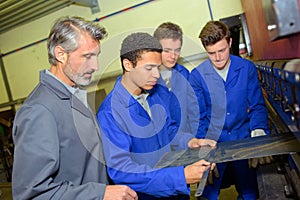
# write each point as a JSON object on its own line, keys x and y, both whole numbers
{"x": 66, "y": 31}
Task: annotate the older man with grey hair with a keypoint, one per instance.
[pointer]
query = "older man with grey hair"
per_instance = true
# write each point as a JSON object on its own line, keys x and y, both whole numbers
{"x": 58, "y": 151}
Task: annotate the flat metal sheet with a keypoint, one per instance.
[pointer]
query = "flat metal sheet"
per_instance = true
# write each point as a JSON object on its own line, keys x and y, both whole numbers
{"x": 268, "y": 145}
{"x": 256, "y": 147}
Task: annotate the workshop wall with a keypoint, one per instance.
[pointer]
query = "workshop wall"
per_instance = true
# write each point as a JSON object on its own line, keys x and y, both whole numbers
{"x": 22, "y": 66}
{"x": 263, "y": 48}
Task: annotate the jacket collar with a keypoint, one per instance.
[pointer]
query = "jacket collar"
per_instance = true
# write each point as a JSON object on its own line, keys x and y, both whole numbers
{"x": 55, "y": 86}
{"x": 123, "y": 96}
{"x": 233, "y": 71}
{"x": 62, "y": 92}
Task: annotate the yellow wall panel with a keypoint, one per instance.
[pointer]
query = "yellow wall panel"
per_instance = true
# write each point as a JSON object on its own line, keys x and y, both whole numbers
{"x": 23, "y": 66}
{"x": 3, "y": 93}
{"x": 225, "y": 8}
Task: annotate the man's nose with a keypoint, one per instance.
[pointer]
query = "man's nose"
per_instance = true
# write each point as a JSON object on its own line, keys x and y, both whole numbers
{"x": 155, "y": 72}
{"x": 95, "y": 64}
{"x": 218, "y": 56}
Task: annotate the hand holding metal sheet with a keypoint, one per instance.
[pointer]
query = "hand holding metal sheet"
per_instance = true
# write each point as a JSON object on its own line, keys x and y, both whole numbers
{"x": 256, "y": 147}
{"x": 235, "y": 150}
{"x": 254, "y": 162}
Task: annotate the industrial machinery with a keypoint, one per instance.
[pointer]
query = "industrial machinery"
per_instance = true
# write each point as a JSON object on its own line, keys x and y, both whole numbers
{"x": 280, "y": 81}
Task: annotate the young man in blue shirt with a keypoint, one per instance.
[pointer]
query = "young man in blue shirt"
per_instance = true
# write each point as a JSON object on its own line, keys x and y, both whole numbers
{"x": 137, "y": 129}
{"x": 231, "y": 104}
{"x": 175, "y": 77}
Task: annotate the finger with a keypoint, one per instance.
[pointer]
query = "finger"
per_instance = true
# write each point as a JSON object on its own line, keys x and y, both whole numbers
{"x": 199, "y": 142}
{"x": 199, "y": 170}
{"x": 132, "y": 193}
{"x": 213, "y": 166}
{"x": 216, "y": 172}
{"x": 212, "y": 143}
{"x": 210, "y": 178}
{"x": 261, "y": 161}
{"x": 207, "y": 167}
{"x": 208, "y": 142}
{"x": 268, "y": 159}
{"x": 202, "y": 163}
{"x": 130, "y": 198}
{"x": 204, "y": 168}
{"x": 194, "y": 143}
{"x": 253, "y": 162}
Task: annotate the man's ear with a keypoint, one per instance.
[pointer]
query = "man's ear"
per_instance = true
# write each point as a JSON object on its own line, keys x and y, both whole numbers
{"x": 230, "y": 42}
{"x": 127, "y": 65}
{"x": 60, "y": 54}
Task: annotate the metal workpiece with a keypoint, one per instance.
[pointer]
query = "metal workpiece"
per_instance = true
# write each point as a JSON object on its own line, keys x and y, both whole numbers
{"x": 256, "y": 147}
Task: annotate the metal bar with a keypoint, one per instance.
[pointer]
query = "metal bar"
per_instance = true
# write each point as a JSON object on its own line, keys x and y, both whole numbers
{"x": 210, "y": 11}
{"x": 13, "y": 13}
{"x": 17, "y": 7}
{"x": 246, "y": 35}
{"x": 24, "y": 47}
{"x": 5, "y": 80}
{"x": 6, "y": 4}
{"x": 12, "y": 103}
{"x": 36, "y": 12}
{"x": 202, "y": 183}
